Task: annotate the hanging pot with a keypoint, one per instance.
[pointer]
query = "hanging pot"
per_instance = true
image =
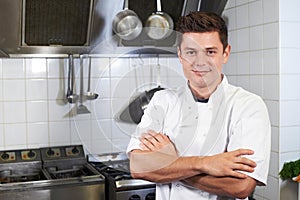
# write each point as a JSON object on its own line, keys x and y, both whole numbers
{"x": 159, "y": 25}
{"x": 126, "y": 24}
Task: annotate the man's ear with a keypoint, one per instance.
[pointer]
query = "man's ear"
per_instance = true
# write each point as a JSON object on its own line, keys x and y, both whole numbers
{"x": 179, "y": 54}
{"x": 226, "y": 54}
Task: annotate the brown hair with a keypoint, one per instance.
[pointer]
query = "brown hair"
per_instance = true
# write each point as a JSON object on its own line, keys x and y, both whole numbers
{"x": 202, "y": 22}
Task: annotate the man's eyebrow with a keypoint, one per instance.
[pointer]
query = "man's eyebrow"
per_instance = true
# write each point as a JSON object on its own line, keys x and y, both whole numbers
{"x": 203, "y": 49}
{"x": 189, "y": 48}
{"x": 211, "y": 48}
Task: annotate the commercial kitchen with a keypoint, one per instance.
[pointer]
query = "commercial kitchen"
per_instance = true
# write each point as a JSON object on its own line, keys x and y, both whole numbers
{"x": 69, "y": 82}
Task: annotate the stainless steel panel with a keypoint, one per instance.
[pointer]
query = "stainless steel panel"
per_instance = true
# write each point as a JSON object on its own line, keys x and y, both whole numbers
{"x": 134, "y": 193}
{"x": 50, "y": 192}
{"x": 100, "y": 34}
{"x": 25, "y": 195}
{"x": 89, "y": 192}
{"x": 10, "y": 25}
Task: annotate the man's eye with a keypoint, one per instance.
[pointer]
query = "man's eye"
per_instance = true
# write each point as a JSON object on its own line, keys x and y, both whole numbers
{"x": 191, "y": 52}
{"x": 211, "y": 53}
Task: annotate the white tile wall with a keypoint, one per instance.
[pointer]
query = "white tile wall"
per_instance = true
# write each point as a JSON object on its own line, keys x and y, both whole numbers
{"x": 271, "y": 87}
{"x": 270, "y": 61}
{"x": 274, "y": 168}
{"x": 242, "y": 16}
{"x": 230, "y": 14}
{"x": 271, "y": 10}
{"x": 38, "y": 134}
{"x": 264, "y": 37}
{"x": 257, "y": 8}
{"x": 270, "y": 35}
{"x": 14, "y": 112}
{"x": 41, "y": 116}
{"x": 2, "y": 142}
{"x": 15, "y": 135}
{"x": 243, "y": 43}
{"x": 274, "y": 112}
{"x": 36, "y": 68}
{"x": 289, "y": 61}
{"x": 265, "y": 48}
{"x": 242, "y": 63}
{"x": 289, "y": 113}
{"x": 256, "y": 37}
{"x": 256, "y": 62}
{"x": 256, "y": 84}
{"x": 287, "y": 91}
{"x": 290, "y": 139}
{"x": 289, "y": 31}
{"x": 16, "y": 72}
{"x": 275, "y": 140}
{"x": 35, "y": 113}
{"x": 13, "y": 89}
{"x": 230, "y": 4}
{"x": 272, "y": 191}
{"x": 36, "y": 89}
{"x": 289, "y": 10}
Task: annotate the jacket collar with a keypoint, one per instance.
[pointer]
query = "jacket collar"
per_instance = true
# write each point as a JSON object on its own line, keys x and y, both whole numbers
{"x": 215, "y": 97}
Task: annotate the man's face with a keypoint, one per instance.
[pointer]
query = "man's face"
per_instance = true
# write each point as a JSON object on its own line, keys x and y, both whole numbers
{"x": 202, "y": 58}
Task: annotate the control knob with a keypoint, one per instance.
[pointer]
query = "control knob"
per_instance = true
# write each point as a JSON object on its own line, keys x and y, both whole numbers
{"x": 75, "y": 150}
{"x": 4, "y": 156}
{"x": 31, "y": 154}
{"x": 150, "y": 196}
{"x": 135, "y": 197}
{"x": 50, "y": 152}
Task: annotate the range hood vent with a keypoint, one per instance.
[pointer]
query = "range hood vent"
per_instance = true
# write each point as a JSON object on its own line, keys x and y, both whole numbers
{"x": 56, "y": 22}
{"x": 51, "y": 28}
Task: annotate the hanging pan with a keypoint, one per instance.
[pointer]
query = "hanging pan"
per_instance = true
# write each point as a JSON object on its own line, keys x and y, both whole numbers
{"x": 135, "y": 110}
{"x": 126, "y": 24}
{"x": 159, "y": 25}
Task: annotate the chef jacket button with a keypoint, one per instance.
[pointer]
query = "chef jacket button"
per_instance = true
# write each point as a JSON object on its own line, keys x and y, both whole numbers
{"x": 196, "y": 117}
{"x": 190, "y": 107}
{"x": 177, "y": 185}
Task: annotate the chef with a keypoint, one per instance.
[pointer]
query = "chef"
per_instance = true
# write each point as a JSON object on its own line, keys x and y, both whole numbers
{"x": 207, "y": 139}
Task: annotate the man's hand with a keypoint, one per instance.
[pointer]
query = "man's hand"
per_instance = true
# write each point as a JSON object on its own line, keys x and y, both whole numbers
{"x": 229, "y": 164}
{"x": 153, "y": 141}
{"x": 157, "y": 152}
{"x": 220, "y": 165}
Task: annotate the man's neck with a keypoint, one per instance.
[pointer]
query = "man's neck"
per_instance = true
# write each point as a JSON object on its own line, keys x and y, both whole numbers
{"x": 206, "y": 92}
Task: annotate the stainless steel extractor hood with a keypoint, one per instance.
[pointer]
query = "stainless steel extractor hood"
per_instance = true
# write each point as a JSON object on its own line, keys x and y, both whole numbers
{"x": 61, "y": 27}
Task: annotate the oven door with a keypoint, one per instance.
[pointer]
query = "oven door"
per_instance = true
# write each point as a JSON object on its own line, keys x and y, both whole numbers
{"x": 90, "y": 188}
{"x": 138, "y": 194}
{"x": 78, "y": 192}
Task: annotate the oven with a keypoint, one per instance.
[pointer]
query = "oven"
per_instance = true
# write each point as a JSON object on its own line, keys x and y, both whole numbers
{"x": 119, "y": 184}
{"x": 52, "y": 173}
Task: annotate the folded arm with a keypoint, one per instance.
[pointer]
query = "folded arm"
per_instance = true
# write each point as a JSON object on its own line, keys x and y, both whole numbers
{"x": 158, "y": 161}
{"x": 224, "y": 186}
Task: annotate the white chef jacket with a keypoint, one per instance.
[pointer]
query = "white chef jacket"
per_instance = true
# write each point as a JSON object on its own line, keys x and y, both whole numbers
{"x": 233, "y": 118}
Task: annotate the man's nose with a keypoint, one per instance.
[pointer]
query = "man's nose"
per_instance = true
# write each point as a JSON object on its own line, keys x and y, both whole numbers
{"x": 201, "y": 59}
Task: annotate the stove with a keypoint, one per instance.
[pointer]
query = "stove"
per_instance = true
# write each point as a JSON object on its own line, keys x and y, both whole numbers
{"x": 67, "y": 162}
{"x": 50, "y": 173}
{"x": 68, "y": 168}
{"x": 21, "y": 174}
{"x": 119, "y": 184}
{"x": 18, "y": 166}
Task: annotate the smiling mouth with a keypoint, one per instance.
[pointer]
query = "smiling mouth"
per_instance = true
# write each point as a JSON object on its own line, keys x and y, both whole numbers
{"x": 200, "y": 72}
